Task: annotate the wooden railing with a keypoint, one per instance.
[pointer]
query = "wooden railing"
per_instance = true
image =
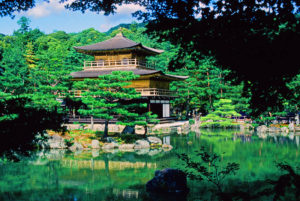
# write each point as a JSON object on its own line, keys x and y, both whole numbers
{"x": 73, "y": 93}
{"x": 88, "y": 65}
{"x": 156, "y": 92}
{"x": 143, "y": 91}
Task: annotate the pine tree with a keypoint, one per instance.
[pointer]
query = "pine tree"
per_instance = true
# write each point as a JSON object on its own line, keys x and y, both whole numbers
{"x": 238, "y": 95}
{"x": 199, "y": 91}
{"x": 109, "y": 97}
{"x": 221, "y": 116}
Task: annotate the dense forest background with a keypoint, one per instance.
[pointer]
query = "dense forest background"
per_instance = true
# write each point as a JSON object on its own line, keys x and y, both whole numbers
{"x": 37, "y": 65}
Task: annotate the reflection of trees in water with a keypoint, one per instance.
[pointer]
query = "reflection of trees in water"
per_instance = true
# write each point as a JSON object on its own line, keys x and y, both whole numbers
{"x": 65, "y": 176}
{"x": 106, "y": 164}
{"x": 53, "y": 173}
{"x": 280, "y": 138}
{"x": 256, "y": 157}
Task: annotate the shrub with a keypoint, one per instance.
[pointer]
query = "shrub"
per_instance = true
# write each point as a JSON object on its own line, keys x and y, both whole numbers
{"x": 191, "y": 121}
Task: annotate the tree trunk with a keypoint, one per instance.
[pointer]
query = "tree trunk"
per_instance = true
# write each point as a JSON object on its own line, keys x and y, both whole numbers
{"x": 146, "y": 131}
{"x": 106, "y": 128}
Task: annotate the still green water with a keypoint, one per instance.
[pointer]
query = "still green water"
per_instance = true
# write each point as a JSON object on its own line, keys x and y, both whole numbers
{"x": 96, "y": 175}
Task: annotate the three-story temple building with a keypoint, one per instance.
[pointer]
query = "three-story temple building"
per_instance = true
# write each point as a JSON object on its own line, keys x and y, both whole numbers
{"x": 121, "y": 54}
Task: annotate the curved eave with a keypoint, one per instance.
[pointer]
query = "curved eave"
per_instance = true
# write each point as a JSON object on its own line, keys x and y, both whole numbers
{"x": 138, "y": 47}
{"x": 176, "y": 77}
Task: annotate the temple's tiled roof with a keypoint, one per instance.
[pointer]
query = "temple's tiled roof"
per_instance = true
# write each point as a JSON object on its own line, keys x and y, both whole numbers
{"x": 96, "y": 73}
{"x": 118, "y": 42}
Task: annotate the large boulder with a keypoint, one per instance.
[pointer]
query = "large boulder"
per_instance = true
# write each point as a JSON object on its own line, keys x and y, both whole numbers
{"x": 141, "y": 144}
{"x": 76, "y": 146}
{"x": 57, "y": 142}
{"x": 168, "y": 181}
{"x": 154, "y": 140}
{"x": 95, "y": 144}
{"x": 262, "y": 129}
{"x": 126, "y": 147}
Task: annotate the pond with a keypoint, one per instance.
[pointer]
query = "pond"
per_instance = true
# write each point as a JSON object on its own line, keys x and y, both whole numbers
{"x": 97, "y": 175}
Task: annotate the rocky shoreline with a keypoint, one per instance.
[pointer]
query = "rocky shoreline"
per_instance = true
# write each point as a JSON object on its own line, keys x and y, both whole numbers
{"x": 273, "y": 129}
{"x": 58, "y": 142}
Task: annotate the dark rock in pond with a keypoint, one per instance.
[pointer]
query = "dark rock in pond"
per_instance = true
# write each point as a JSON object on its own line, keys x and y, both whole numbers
{"x": 128, "y": 130}
{"x": 168, "y": 181}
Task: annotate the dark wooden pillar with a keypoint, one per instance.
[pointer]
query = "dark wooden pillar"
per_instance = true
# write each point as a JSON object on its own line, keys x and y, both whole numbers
{"x": 149, "y": 107}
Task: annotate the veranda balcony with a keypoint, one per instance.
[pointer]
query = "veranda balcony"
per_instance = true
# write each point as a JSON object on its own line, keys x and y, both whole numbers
{"x": 156, "y": 92}
{"x": 145, "y": 92}
{"x": 102, "y": 64}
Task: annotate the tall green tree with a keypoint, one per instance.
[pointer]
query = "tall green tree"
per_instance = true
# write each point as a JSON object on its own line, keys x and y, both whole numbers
{"x": 14, "y": 78}
{"x": 24, "y": 25}
{"x": 207, "y": 83}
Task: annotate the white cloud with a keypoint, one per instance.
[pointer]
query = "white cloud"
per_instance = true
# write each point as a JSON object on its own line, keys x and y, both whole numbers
{"x": 43, "y": 9}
